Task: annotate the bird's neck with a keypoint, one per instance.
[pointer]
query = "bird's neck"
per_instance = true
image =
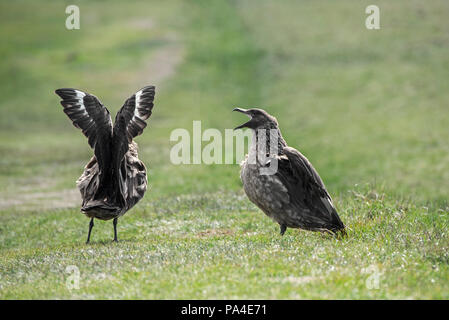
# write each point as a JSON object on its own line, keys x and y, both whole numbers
{"x": 267, "y": 141}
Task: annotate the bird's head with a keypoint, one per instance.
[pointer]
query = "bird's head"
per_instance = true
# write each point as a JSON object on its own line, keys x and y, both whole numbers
{"x": 259, "y": 119}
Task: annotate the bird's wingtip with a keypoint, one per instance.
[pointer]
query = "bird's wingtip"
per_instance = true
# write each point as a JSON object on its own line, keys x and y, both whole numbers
{"x": 240, "y": 110}
{"x": 61, "y": 91}
{"x": 148, "y": 88}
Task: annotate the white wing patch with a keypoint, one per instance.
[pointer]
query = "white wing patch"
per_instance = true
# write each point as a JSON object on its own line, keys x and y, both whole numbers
{"x": 138, "y": 95}
{"x": 136, "y": 110}
{"x": 80, "y": 96}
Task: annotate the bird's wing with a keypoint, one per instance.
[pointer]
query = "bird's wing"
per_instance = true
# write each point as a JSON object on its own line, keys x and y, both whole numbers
{"x": 306, "y": 188}
{"x": 130, "y": 120}
{"x": 87, "y": 113}
{"x": 92, "y": 117}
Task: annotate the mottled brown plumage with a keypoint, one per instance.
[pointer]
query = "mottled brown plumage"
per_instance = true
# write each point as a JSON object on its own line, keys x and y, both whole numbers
{"x": 114, "y": 180}
{"x": 294, "y": 195}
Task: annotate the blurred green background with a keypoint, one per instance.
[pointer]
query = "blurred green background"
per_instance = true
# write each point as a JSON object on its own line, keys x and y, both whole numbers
{"x": 369, "y": 108}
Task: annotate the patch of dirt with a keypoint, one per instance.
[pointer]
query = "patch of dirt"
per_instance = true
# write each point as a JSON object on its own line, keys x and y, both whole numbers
{"x": 214, "y": 232}
{"x": 162, "y": 64}
{"x": 67, "y": 198}
{"x": 142, "y": 24}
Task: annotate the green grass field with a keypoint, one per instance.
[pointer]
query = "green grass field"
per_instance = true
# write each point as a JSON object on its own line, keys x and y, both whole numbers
{"x": 369, "y": 108}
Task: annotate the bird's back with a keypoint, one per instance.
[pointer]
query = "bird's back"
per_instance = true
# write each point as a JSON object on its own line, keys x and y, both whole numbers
{"x": 110, "y": 201}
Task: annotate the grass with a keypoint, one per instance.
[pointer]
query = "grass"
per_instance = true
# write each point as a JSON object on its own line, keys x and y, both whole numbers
{"x": 368, "y": 108}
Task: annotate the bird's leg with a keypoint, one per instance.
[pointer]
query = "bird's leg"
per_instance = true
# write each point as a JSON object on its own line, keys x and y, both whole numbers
{"x": 91, "y": 225}
{"x": 115, "y": 229}
{"x": 283, "y": 228}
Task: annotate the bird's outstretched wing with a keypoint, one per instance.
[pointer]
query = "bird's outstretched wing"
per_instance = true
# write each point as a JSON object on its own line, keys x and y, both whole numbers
{"x": 130, "y": 120}
{"x": 307, "y": 190}
{"x": 87, "y": 113}
{"x": 92, "y": 117}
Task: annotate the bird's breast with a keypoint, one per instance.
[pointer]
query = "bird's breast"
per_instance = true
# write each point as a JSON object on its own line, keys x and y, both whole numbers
{"x": 266, "y": 191}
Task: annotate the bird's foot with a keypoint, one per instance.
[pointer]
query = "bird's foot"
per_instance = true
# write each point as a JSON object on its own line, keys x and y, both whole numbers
{"x": 114, "y": 222}
{"x": 91, "y": 225}
{"x": 283, "y": 229}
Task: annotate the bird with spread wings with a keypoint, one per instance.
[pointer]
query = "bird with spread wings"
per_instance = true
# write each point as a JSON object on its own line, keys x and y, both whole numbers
{"x": 114, "y": 180}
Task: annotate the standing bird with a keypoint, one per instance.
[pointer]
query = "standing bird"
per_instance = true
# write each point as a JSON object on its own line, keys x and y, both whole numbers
{"x": 114, "y": 180}
{"x": 294, "y": 194}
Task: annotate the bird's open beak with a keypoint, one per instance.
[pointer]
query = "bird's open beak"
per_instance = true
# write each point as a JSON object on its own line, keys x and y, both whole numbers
{"x": 245, "y": 112}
